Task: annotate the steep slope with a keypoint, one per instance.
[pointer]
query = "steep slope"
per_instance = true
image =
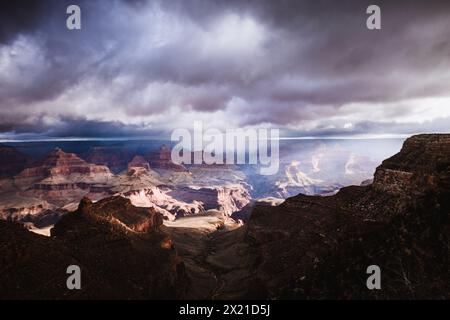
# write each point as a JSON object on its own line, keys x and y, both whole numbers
{"x": 120, "y": 249}
{"x": 320, "y": 247}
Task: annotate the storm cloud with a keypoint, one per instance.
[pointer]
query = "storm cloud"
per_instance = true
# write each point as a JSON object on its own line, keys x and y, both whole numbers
{"x": 143, "y": 68}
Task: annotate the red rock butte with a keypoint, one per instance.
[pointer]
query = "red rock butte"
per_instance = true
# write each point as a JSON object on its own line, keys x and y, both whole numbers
{"x": 59, "y": 162}
{"x": 162, "y": 160}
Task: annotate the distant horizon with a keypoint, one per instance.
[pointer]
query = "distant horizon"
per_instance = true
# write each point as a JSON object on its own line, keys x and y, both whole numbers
{"x": 121, "y": 139}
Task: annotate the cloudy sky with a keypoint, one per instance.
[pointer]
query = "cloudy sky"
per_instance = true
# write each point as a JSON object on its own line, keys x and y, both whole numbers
{"x": 143, "y": 68}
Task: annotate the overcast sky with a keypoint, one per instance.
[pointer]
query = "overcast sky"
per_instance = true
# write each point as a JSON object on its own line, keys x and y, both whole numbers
{"x": 144, "y": 68}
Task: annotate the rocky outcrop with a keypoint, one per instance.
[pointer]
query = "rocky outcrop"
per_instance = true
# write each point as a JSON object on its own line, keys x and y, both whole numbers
{"x": 118, "y": 258}
{"x": 160, "y": 199}
{"x": 121, "y": 211}
{"x": 421, "y": 166}
{"x": 320, "y": 247}
{"x": 138, "y": 162}
{"x": 162, "y": 160}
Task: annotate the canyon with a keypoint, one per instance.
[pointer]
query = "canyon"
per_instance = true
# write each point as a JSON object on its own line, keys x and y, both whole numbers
{"x": 60, "y": 180}
{"x": 200, "y": 233}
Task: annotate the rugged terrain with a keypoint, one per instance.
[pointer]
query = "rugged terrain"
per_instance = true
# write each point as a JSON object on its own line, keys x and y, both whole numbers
{"x": 60, "y": 180}
{"x": 319, "y": 247}
{"x": 307, "y": 247}
{"x": 312, "y": 247}
{"x": 121, "y": 250}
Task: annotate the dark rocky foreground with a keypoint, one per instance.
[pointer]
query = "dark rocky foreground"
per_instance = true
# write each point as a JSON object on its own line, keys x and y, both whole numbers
{"x": 119, "y": 248}
{"x": 306, "y": 248}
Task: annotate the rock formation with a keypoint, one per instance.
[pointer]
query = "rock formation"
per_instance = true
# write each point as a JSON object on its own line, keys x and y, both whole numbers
{"x": 138, "y": 162}
{"x": 180, "y": 201}
{"x": 120, "y": 249}
{"x": 120, "y": 210}
{"x": 62, "y": 176}
{"x": 319, "y": 247}
{"x": 162, "y": 160}
{"x": 61, "y": 164}
{"x": 115, "y": 158}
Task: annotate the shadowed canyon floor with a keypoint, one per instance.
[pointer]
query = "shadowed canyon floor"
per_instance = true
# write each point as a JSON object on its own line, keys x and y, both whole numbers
{"x": 216, "y": 257}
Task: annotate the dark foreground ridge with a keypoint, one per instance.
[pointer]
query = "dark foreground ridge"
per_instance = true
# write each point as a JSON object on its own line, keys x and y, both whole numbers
{"x": 119, "y": 248}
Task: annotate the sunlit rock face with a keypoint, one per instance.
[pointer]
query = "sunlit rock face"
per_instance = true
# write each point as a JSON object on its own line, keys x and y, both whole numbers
{"x": 158, "y": 199}
{"x": 19, "y": 208}
{"x": 228, "y": 198}
{"x": 181, "y": 192}
{"x": 120, "y": 210}
{"x": 59, "y": 170}
{"x": 421, "y": 165}
{"x": 189, "y": 200}
{"x": 62, "y": 178}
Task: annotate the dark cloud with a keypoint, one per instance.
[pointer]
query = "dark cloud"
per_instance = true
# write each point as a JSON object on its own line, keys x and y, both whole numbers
{"x": 68, "y": 127}
{"x": 80, "y": 127}
{"x": 19, "y": 16}
{"x": 299, "y": 65}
